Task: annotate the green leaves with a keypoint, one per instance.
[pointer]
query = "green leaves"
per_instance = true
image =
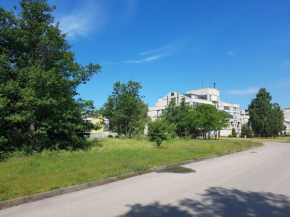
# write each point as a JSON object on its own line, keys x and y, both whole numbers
{"x": 159, "y": 130}
{"x": 125, "y": 109}
{"x": 266, "y": 118}
{"x": 38, "y": 82}
{"x": 189, "y": 121}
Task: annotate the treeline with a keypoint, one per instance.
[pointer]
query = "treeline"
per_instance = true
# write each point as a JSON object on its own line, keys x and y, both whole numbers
{"x": 185, "y": 121}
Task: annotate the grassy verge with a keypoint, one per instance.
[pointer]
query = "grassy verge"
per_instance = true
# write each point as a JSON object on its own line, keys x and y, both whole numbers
{"x": 262, "y": 139}
{"x": 26, "y": 175}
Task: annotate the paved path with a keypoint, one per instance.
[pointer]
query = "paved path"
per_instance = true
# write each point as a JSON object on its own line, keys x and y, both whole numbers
{"x": 237, "y": 185}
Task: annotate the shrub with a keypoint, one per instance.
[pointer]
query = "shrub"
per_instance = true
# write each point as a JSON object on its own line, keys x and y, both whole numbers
{"x": 159, "y": 130}
{"x": 246, "y": 131}
{"x": 110, "y": 136}
{"x": 117, "y": 136}
{"x": 230, "y": 136}
{"x": 234, "y": 134}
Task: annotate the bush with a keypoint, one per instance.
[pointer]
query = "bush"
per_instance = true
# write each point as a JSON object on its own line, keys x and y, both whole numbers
{"x": 110, "y": 136}
{"x": 117, "y": 136}
{"x": 159, "y": 130}
{"x": 230, "y": 136}
{"x": 246, "y": 131}
{"x": 234, "y": 134}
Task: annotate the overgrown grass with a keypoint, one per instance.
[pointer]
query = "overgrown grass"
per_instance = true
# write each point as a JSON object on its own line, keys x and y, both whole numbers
{"x": 261, "y": 139}
{"x": 49, "y": 170}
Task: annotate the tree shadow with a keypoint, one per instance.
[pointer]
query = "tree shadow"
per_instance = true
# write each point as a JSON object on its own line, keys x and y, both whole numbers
{"x": 220, "y": 202}
{"x": 156, "y": 209}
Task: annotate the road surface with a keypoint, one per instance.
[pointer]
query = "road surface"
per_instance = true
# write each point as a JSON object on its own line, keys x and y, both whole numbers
{"x": 251, "y": 183}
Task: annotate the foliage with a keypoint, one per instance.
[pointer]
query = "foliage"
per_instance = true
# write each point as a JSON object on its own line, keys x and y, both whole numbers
{"x": 234, "y": 134}
{"x": 266, "y": 118}
{"x": 221, "y": 121}
{"x": 159, "y": 130}
{"x": 210, "y": 119}
{"x": 117, "y": 137}
{"x": 189, "y": 121}
{"x": 38, "y": 82}
{"x": 246, "y": 131}
{"x": 110, "y": 136}
{"x": 125, "y": 109}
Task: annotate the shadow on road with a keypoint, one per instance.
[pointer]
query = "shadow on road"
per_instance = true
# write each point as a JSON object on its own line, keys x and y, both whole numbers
{"x": 219, "y": 202}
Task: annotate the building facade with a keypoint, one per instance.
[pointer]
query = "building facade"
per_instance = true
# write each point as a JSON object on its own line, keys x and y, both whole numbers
{"x": 244, "y": 115}
{"x": 210, "y": 96}
{"x": 287, "y": 119}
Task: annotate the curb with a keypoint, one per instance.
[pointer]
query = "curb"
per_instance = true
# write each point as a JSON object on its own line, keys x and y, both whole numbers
{"x": 41, "y": 196}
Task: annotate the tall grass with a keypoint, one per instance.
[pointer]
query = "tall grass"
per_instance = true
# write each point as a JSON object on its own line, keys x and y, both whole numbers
{"x": 25, "y": 175}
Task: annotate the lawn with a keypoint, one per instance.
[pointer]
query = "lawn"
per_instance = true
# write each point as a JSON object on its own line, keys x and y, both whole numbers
{"x": 26, "y": 175}
{"x": 262, "y": 139}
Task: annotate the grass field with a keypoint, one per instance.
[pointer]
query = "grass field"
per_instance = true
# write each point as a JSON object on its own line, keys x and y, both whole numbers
{"x": 262, "y": 139}
{"x": 26, "y": 175}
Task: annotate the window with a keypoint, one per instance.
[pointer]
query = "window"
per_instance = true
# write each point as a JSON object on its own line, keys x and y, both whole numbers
{"x": 227, "y": 108}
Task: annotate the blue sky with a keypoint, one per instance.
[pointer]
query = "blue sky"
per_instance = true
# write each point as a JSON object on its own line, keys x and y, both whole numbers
{"x": 177, "y": 45}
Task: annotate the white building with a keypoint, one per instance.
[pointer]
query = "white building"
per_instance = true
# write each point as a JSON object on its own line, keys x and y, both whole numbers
{"x": 193, "y": 98}
{"x": 244, "y": 115}
{"x": 287, "y": 119}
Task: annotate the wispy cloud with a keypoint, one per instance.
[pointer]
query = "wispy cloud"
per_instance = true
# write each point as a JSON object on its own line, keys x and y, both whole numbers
{"x": 84, "y": 20}
{"x": 286, "y": 64}
{"x": 148, "y": 59}
{"x": 247, "y": 91}
{"x": 230, "y": 52}
{"x": 165, "y": 50}
{"x": 153, "y": 54}
{"x": 158, "y": 52}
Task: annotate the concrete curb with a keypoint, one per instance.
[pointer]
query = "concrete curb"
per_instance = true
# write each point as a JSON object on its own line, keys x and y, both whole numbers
{"x": 61, "y": 191}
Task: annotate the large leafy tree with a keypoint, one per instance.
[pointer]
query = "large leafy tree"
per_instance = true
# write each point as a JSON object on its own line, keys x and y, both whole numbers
{"x": 177, "y": 115}
{"x": 266, "y": 118}
{"x": 209, "y": 119}
{"x": 277, "y": 120}
{"x": 221, "y": 120}
{"x": 38, "y": 82}
{"x": 125, "y": 109}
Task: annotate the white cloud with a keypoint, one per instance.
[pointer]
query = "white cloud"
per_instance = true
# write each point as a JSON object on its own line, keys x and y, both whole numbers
{"x": 230, "y": 52}
{"x": 244, "y": 92}
{"x": 165, "y": 50}
{"x": 84, "y": 20}
{"x": 148, "y": 59}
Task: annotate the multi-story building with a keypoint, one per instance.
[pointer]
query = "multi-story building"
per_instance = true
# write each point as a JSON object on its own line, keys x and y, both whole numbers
{"x": 244, "y": 115}
{"x": 287, "y": 119}
{"x": 193, "y": 98}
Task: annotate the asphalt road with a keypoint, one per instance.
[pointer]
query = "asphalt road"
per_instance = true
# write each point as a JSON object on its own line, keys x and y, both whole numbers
{"x": 251, "y": 183}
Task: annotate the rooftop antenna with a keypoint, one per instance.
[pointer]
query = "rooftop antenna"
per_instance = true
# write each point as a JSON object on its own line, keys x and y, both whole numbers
{"x": 214, "y": 85}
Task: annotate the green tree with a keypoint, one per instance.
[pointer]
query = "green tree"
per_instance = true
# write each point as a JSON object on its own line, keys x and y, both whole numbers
{"x": 277, "y": 120}
{"x": 125, "y": 109}
{"x": 221, "y": 121}
{"x": 207, "y": 118}
{"x": 246, "y": 131}
{"x": 38, "y": 82}
{"x": 266, "y": 118}
{"x": 159, "y": 131}
{"x": 178, "y": 116}
{"x": 234, "y": 133}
